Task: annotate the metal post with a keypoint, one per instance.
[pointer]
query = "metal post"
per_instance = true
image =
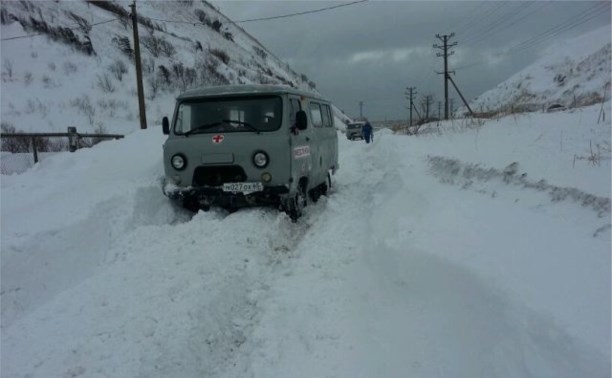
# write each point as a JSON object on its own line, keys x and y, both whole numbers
{"x": 34, "y": 150}
{"x": 141, "y": 102}
{"x": 72, "y": 138}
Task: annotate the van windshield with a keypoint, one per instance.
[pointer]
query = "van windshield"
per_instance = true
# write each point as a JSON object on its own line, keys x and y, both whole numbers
{"x": 229, "y": 114}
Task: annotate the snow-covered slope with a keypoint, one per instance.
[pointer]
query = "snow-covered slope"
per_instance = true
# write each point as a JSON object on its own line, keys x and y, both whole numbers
{"x": 77, "y": 69}
{"x": 479, "y": 251}
{"x": 577, "y": 73}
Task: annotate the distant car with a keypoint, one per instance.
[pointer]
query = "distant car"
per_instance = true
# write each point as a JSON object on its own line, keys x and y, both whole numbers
{"x": 353, "y": 130}
{"x": 555, "y": 108}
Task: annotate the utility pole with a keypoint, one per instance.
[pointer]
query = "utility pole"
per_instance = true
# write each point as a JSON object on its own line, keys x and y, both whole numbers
{"x": 361, "y": 110}
{"x": 411, "y": 98}
{"x": 439, "y": 107}
{"x": 427, "y": 101}
{"x": 141, "y": 101}
{"x": 445, "y": 54}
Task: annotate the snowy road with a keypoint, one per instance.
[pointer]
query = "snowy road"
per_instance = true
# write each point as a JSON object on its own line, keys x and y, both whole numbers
{"x": 405, "y": 270}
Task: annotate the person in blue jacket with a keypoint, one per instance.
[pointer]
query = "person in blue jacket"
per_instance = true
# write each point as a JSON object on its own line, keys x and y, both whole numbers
{"x": 368, "y": 132}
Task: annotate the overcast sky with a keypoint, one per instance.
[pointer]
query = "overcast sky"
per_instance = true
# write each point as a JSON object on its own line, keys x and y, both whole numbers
{"x": 372, "y": 51}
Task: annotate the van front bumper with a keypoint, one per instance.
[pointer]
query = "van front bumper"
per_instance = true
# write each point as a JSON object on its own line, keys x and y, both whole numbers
{"x": 215, "y": 196}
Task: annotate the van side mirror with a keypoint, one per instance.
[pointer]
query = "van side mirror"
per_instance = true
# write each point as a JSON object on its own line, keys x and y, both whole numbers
{"x": 300, "y": 120}
{"x": 165, "y": 125}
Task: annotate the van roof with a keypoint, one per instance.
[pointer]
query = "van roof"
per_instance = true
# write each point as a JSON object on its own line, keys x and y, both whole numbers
{"x": 245, "y": 89}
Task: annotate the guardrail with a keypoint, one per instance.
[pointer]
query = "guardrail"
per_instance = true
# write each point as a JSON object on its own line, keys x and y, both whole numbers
{"x": 73, "y": 136}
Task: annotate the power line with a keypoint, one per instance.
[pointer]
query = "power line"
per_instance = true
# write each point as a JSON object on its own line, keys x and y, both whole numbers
{"x": 490, "y": 28}
{"x": 73, "y": 28}
{"x": 495, "y": 7}
{"x": 265, "y": 18}
{"x": 301, "y": 13}
{"x": 473, "y": 16}
{"x": 22, "y": 36}
{"x": 506, "y": 24}
{"x": 562, "y": 27}
{"x": 178, "y": 22}
{"x": 556, "y": 30}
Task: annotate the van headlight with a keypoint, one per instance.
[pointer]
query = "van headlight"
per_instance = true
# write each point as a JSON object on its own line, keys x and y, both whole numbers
{"x": 260, "y": 159}
{"x": 179, "y": 162}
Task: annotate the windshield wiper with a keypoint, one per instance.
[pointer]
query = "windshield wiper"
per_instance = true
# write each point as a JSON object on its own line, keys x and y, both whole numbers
{"x": 245, "y": 124}
{"x": 202, "y": 127}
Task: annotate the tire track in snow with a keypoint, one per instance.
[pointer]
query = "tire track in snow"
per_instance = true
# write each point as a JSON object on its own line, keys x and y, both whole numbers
{"x": 451, "y": 322}
{"x": 453, "y": 171}
{"x": 309, "y": 325}
{"x": 361, "y": 300}
{"x": 85, "y": 244}
{"x": 208, "y": 273}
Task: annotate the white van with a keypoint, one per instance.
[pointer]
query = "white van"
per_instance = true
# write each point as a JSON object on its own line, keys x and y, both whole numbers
{"x": 236, "y": 146}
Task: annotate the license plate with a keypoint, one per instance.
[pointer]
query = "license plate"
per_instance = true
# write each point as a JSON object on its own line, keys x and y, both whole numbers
{"x": 243, "y": 187}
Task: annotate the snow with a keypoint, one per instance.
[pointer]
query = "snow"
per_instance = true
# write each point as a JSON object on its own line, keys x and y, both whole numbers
{"x": 477, "y": 248}
{"x": 418, "y": 263}
{"x": 575, "y": 75}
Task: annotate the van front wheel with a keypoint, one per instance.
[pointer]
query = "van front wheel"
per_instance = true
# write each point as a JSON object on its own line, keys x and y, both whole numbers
{"x": 296, "y": 204}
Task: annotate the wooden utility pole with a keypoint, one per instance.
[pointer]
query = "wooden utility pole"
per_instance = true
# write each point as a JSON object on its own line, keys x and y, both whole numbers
{"x": 460, "y": 95}
{"x": 445, "y": 54}
{"x": 141, "y": 101}
{"x": 411, "y": 98}
{"x": 427, "y": 101}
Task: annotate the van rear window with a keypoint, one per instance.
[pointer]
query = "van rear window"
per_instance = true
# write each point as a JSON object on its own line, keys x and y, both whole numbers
{"x": 229, "y": 114}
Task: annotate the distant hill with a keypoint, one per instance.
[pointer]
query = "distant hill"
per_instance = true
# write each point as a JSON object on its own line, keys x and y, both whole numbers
{"x": 71, "y": 63}
{"x": 575, "y": 74}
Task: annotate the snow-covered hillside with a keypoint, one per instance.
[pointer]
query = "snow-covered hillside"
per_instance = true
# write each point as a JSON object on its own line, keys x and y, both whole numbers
{"x": 78, "y": 70}
{"x": 482, "y": 250}
{"x": 574, "y": 74}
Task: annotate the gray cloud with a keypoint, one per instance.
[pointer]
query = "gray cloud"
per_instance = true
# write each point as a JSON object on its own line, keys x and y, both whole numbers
{"x": 372, "y": 51}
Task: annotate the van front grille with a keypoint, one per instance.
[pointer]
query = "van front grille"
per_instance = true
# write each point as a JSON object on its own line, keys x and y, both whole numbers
{"x": 219, "y": 175}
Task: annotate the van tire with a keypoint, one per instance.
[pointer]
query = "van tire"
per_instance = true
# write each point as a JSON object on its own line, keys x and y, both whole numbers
{"x": 315, "y": 194}
{"x": 325, "y": 187}
{"x": 191, "y": 205}
{"x": 296, "y": 204}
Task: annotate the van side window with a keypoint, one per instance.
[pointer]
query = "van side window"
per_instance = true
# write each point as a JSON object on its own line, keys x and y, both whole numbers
{"x": 294, "y": 107}
{"x": 315, "y": 112}
{"x": 326, "y": 115}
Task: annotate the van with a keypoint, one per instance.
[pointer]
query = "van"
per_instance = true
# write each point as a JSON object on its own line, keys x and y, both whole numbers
{"x": 354, "y": 130}
{"x": 249, "y": 145}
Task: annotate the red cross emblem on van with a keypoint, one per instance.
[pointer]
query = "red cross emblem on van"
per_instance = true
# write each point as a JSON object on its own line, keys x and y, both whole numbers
{"x": 218, "y": 139}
